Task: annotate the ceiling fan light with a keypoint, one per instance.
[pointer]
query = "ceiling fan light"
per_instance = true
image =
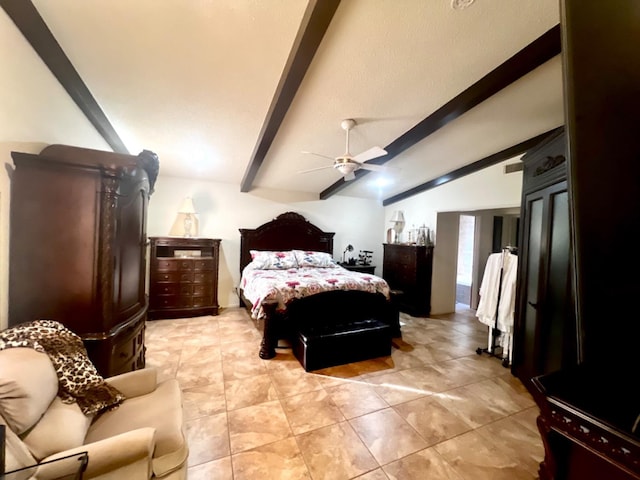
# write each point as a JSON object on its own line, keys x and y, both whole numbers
{"x": 346, "y": 168}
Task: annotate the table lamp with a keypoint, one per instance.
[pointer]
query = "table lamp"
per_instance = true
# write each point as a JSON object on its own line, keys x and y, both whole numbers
{"x": 398, "y": 224}
{"x": 188, "y": 210}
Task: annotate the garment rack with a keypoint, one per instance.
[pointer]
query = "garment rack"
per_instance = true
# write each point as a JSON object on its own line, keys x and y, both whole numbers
{"x": 492, "y": 348}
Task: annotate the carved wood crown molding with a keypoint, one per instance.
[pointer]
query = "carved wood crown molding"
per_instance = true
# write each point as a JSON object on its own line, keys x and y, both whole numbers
{"x": 549, "y": 164}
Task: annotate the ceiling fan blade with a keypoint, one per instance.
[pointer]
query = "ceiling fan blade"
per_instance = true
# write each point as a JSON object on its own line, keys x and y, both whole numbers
{"x": 370, "y": 154}
{"x": 349, "y": 176}
{"x": 318, "y": 155}
{"x": 373, "y": 167}
{"x": 315, "y": 169}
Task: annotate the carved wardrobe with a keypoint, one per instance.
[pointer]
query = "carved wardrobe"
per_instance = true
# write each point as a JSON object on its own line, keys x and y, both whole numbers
{"x": 78, "y": 247}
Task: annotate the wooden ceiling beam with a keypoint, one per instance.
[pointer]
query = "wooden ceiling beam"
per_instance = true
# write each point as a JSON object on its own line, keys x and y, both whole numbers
{"x": 541, "y": 50}
{"x": 26, "y": 17}
{"x": 314, "y": 25}
{"x": 476, "y": 166}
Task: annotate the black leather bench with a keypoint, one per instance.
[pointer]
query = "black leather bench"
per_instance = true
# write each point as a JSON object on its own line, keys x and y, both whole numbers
{"x": 321, "y": 346}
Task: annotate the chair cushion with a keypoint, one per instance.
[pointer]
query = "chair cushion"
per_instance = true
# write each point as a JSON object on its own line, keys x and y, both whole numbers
{"x": 62, "y": 427}
{"x": 17, "y": 455}
{"x": 160, "y": 409}
{"x": 28, "y": 385}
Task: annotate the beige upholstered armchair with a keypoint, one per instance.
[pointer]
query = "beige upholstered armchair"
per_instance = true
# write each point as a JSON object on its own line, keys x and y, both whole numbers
{"x": 140, "y": 439}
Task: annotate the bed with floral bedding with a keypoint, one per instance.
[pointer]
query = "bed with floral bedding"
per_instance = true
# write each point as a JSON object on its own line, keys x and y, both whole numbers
{"x": 283, "y": 285}
{"x": 288, "y": 276}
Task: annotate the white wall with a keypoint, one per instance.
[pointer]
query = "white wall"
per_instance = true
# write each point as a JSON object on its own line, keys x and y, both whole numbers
{"x": 487, "y": 189}
{"x": 36, "y": 111}
{"x": 223, "y": 209}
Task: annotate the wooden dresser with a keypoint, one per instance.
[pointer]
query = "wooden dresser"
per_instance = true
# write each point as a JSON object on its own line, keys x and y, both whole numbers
{"x": 407, "y": 268}
{"x": 78, "y": 247}
{"x": 183, "y": 277}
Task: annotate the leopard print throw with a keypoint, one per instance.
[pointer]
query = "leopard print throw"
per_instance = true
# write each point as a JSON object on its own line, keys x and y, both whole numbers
{"x": 78, "y": 379}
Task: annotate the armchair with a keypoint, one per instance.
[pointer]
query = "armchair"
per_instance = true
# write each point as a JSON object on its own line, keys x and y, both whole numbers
{"x": 142, "y": 438}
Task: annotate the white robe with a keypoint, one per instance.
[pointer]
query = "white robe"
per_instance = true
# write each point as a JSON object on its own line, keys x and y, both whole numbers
{"x": 490, "y": 288}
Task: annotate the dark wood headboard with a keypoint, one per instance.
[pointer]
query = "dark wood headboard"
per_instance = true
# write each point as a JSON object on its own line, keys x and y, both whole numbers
{"x": 287, "y": 231}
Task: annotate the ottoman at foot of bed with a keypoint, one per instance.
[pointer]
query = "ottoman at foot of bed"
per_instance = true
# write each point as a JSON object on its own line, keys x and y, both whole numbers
{"x": 323, "y": 347}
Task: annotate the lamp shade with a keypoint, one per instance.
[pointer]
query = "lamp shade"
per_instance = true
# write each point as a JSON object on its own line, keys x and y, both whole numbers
{"x": 187, "y": 206}
{"x": 397, "y": 216}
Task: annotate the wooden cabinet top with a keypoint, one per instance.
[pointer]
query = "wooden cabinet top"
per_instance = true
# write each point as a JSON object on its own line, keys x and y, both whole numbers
{"x": 184, "y": 241}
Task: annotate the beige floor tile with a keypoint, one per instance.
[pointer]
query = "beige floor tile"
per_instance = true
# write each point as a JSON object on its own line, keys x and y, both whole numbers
{"x": 395, "y": 388}
{"x": 311, "y": 410}
{"x": 277, "y": 460}
{"x": 289, "y": 383}
{"x": 437, "y": 385}
{"x": 387, "y": 436}
{"x": 473, "y": 456}
{"x": 335, "y": 453}
{"x": 356, "y": 398}
{"x": 466, "y": 404}
{"x": 208, "y": 438}
{"x": 199, "y": 352}
{"x": 202, "y": 401}
{"x": 428, "y": 379}
{"x": 254, "y": 426}
{"x": 199, "y": 374}
{"x": 509, "y": 437}
{"x": 249, "y": 391}
{"x": 377, "y": 474}
{"x": 242, "y": 368}
{"x": 215, "y": 470}
{"x": 431, "y": 419}
{"x": 421, "y": 465}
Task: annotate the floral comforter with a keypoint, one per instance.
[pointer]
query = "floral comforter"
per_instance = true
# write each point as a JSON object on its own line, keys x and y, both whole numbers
{"x": 287, "y": 285}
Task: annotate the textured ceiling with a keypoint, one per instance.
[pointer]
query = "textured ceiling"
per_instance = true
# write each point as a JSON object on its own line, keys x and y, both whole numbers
{"x": 193, "y": 80}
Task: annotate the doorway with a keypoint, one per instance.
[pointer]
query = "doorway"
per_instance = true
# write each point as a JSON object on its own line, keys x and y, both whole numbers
{"x": 464, "y": 273}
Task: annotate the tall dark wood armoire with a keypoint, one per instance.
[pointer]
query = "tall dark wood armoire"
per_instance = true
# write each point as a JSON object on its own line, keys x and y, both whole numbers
{"x": 590, "y": 412}
{"x": 544, "y": 329}
{"x": 78, "y": 247}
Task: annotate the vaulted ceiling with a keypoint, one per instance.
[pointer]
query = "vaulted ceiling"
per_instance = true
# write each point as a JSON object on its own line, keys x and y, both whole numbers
{"x": 234, "y": 90}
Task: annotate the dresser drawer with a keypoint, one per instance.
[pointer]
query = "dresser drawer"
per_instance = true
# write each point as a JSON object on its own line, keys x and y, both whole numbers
{"x": 186, "y": 277}
{"x": 202, "y": 301}
{"x": 200, "y": 289}
{"x": 166, "y": 265}
{"x": 160, "y": 288}
{"x": 201, "y": 277}
{"x": 166, "y": 277}
{"x": 194, "y": 288}
{"x": 203, "y": 264}
{"x": 171, "y": 301}
{"x": 185, "y": 265}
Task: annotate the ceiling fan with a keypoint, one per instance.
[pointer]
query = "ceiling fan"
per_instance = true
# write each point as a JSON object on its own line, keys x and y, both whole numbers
{"x": 347, "y": 164}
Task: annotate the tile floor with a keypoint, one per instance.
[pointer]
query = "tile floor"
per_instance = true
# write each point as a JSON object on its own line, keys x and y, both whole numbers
{"x": 433, "y": 409}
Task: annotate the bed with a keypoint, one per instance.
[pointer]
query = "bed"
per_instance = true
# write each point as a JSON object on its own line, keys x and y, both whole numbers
{"x": 298, "y": 302}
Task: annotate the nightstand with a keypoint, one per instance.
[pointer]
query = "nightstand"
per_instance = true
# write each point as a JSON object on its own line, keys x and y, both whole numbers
{"x": 370, "y": 269}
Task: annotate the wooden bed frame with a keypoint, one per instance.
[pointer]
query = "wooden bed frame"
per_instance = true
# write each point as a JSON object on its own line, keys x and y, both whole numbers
{"x": 291, "y": 231}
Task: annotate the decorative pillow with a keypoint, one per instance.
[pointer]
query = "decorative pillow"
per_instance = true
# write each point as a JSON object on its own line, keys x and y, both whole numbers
{"x": 62, "y": 427}
{"x": 265, "y": 260}
{"x": 28, "y": 384}
{"x": 314, "y": 259}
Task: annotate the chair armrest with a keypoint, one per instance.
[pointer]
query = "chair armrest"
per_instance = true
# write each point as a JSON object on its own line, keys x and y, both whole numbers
{"x": 108, "y": 455}
{"x": 136, "y": 383}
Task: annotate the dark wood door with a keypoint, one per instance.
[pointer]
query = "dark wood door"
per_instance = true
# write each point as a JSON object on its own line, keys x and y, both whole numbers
{"x": 547, "y": 326}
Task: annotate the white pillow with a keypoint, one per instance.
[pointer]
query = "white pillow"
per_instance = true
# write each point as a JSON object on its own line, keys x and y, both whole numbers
{"x": 308, "y": 258}
{"x": 266, "y": 260}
